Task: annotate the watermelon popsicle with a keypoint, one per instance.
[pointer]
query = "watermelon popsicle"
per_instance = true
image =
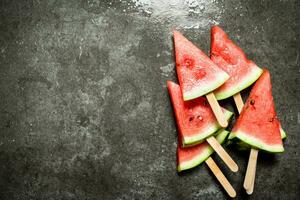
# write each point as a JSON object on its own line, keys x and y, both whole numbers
{"x": 195, "y": 119}
{"x": 198, "y": 75}
{"x": 190, "y": 157}
{"x": 244, "y": 146}
{"x": 258, "y": 125}
{"x": 253, "y": 154}
{"x": 230, "y": 58}
{"x": 242, "y": 71}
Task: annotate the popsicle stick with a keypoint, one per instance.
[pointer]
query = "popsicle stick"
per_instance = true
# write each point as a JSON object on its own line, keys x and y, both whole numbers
{"x": 250, "y": 191}
{"x": 222, "y": 153}
{"x": 251, "y": 168}
{"x": 220, "y": 176}
{"x": 238, "y": 101}
{"x": 217, "y": 110}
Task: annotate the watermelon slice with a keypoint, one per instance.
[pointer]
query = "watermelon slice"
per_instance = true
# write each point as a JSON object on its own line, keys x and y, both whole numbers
{"x": 195, "y": 119}
{"x": 192, "y": 156}
{"x": 257, "y": 124}
{"x": 197, "y": 74}
{"x": 231, "y": 59}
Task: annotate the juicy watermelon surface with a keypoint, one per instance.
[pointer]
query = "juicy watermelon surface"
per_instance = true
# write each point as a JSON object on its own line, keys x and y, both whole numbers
{"x": 257, "y": 124}
{"x": 195, "y": 119}
{"x": 197, "y": 74}
{"x": 192, "y": 156}
{"x": 233, "y": 61}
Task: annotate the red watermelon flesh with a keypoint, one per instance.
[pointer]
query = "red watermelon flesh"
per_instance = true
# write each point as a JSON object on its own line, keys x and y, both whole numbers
{"x": 231, "y": 59}
{"x": 192, "y": 156}
{"x": 257, "y": 124}
{"x": 197, "y": 74}
{"x": 195, "y": 119}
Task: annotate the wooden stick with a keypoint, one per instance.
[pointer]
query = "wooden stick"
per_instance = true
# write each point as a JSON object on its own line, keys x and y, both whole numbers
{"x": 220, "y": 176}
{"x": 217, "y": 110}
{"x": 222, "y": 153}
{"x": 250, "y": 191}
{"x": 251, "y": 168}
{"x": 238, "y": 101}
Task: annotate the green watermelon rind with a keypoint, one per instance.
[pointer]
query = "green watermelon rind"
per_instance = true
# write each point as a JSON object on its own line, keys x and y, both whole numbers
{"x": 202, "y": 90}
{"x": 258, "y": 143}
{"x": 196, "y": 139}
{"x": 243, "y": 146}
{"x": 231, "y": 136}
{"x": 282, "y": 133}
{"x": 249, "y": 80}
{"x": 221, "y": 136}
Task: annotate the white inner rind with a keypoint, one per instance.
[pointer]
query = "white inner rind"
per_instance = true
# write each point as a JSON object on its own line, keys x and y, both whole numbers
{"x": 198, "y": 138}
{"x": 282, "y": 133}
{"x": 247, "y": 138}
{"x": 221, "y": 135}
{"x": 195, "y": 161}
{"x": 202, "y": 90}
{"x": 246, "y": 82}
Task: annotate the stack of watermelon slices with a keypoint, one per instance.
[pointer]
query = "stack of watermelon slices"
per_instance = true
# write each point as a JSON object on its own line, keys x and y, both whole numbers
{"x": 244, "y": 72}
{"x": 257, "y": 125}
{"x": 195, "y": 121}
{"x": 197, "y": 76}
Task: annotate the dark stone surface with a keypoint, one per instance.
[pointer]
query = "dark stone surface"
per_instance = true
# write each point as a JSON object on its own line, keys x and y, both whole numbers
{"x": 84, "y": 109}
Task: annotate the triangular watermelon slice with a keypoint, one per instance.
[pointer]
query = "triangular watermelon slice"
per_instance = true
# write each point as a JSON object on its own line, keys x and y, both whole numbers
{"x": 195, "y": 119}
{"x": 192, "y": 156}
{"x": 257, "y": 124}
{"x": 197, "y": 74}
{"x": 231, "y": 59}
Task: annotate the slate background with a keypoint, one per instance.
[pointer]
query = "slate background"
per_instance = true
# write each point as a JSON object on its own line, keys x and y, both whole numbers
{"x": 84, "y": 110}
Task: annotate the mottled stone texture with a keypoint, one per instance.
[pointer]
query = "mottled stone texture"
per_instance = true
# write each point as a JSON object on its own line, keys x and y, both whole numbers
{"x": 84, "y": 110}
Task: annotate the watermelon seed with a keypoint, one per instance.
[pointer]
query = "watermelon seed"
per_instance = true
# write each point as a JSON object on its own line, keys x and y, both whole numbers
{"x": 188, "y": 63}
{"x": 191, "y": 119}
{"x": 199, "y": 117}
{"x": 271, "y": 119}
{"x": 252, "y": 102}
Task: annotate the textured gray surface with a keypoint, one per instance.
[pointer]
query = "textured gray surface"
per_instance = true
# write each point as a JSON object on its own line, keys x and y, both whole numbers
{"x": 84, "y": 110}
